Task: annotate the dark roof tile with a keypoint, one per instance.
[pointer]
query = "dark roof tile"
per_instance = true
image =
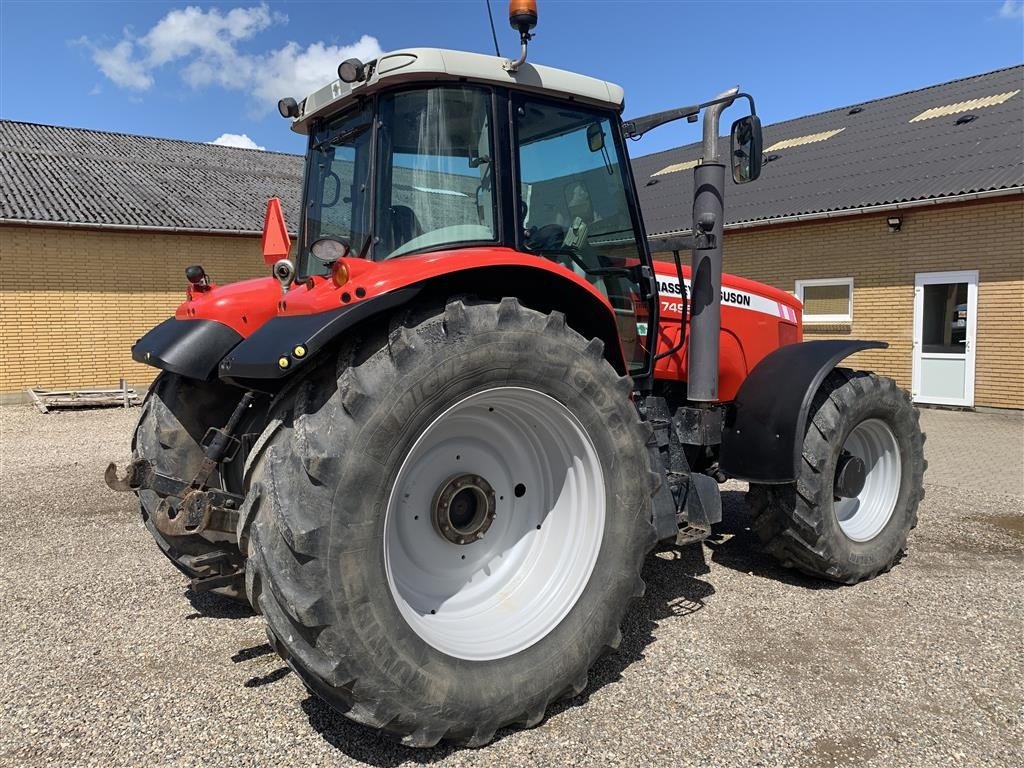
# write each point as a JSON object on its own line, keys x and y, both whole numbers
{"x": 51, "y": 173}
{"x": 880, "y": 158}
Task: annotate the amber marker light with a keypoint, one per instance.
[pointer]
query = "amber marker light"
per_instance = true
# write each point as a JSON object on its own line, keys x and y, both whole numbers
{"x": 339, "y": 273}
{"x": 283, "y": 362}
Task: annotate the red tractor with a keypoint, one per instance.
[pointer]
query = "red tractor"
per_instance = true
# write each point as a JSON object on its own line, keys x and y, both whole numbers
{"x": 435, "y": 450}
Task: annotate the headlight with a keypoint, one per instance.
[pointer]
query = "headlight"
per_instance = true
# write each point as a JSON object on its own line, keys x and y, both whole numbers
{"x": 329, "y": 249}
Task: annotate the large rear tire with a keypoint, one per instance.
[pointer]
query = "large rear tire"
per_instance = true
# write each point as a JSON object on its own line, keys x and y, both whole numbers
{"x": 811, "y": 525}
{"x": 450, "y": 523}
{"x": 175, "y": 416}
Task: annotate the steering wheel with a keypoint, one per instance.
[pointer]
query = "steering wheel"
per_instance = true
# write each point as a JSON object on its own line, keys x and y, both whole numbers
{"x": 548, "y": 238}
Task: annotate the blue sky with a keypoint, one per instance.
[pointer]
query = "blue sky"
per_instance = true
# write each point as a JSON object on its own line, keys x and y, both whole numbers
{"x": 204, "y": 70}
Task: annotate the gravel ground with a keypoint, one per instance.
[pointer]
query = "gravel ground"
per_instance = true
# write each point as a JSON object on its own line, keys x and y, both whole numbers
{"x": 108, "y": 659}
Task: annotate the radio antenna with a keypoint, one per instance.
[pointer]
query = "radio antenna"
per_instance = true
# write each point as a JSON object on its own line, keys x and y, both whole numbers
{"x": 494, "y": 34}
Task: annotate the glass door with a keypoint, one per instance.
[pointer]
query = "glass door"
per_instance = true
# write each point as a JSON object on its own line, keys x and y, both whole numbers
{"x": 945, "y": 326}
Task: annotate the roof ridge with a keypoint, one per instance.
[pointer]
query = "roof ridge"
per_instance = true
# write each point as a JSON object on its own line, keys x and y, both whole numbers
{"x": 142, "y": 136}
{"x": 855, "y": 104}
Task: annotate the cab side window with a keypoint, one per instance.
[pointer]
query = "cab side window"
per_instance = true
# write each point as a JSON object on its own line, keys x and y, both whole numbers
{"x": 574, "y": 208}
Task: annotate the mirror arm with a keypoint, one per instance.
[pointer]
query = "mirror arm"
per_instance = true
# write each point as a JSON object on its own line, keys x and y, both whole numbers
{"x": 700, "y": 241}
{"x": 637, "y": 127}
{"x": 634, "y": 129}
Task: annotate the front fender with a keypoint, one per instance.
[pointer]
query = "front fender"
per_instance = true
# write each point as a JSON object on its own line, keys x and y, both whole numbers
{"x": 762, "y": 438}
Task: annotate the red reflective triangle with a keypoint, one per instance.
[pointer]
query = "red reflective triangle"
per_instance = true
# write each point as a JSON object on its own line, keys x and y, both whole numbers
{"x": 276, "y": 243}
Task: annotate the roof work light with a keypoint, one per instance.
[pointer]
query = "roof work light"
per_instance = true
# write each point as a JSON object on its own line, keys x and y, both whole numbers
{"x": 288, "y": 107}
{"x": 351, "y": 71}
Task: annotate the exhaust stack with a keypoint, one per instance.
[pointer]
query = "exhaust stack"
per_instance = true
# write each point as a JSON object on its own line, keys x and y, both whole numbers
{"x": 706, "y": 263}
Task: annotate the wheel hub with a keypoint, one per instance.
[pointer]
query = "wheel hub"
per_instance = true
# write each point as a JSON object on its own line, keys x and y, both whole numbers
{"x": 850, "y": 476}
{"x": 464, "y": 508}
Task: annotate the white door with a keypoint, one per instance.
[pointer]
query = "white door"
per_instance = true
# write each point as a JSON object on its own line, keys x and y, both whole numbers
{"x": 945, "y": 326}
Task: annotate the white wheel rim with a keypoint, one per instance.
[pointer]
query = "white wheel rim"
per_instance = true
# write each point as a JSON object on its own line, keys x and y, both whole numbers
{"x": 862, "y": 517}
{"x": 504, "y": 592}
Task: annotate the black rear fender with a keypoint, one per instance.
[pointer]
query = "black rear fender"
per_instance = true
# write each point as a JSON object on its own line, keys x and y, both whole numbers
{"x": 190, "y": 348}
{"x": 287, "y": 343}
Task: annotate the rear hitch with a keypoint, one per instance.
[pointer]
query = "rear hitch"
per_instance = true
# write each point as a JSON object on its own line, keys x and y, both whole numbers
{"x": 188, "y": 508}
{"x": 132, "y": 479}
{"x": 196, "y": 509}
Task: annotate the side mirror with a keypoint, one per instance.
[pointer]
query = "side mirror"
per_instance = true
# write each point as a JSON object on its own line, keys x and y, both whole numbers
{"x": 747, "y": 146}
{"x": 595, "y": 137}
{"x": 329, "y": 200}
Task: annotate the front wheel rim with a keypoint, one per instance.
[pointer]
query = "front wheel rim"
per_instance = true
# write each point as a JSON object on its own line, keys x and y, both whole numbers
{"x": 498, "y": 594}
{"x": 864, "y": 516}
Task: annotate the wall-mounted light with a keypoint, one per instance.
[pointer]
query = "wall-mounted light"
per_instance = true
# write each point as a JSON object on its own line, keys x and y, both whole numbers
{"x": 895, "y": 223}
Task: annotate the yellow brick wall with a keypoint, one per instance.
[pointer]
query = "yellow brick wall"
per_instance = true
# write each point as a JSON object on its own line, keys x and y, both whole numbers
{"x": 73, "y": 301}
{"x": 986, "y": 235}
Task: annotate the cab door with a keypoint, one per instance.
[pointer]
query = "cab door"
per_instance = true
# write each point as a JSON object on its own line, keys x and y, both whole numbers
{"x": 576, "y": 209}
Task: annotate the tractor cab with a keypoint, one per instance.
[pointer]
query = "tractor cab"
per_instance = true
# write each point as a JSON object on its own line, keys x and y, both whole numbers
{"x": 431, "y": 151}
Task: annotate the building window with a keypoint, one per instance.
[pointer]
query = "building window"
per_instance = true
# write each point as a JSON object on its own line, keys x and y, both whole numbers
{"x": 826, "y": 301}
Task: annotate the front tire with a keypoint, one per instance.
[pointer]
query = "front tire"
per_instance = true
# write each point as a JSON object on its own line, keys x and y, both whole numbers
{"x": 815, "y": 526}
{"x": 366, "y": 564}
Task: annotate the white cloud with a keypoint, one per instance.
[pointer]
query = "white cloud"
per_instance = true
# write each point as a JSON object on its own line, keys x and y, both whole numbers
{"x": 193, "y": 31}
{"x": 240, "y": 140}
{"x": 207, "y": 45}
{"x": 1012, "y": 9}
{"x": 297, "y": 72}
{"x": 117, "y": 64}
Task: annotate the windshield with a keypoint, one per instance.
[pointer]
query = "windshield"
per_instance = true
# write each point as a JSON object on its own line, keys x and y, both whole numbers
{"x": 434, "y": 170}
{"x": 575, "y": 209}
{"x": 434, "y": 175}
{"x": 337, "y": 185}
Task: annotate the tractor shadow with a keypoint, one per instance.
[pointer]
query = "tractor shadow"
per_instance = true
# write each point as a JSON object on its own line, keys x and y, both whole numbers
{"x": 734, "y": 545}
{"x": 210, "y": 605}
{"x": 672, "y": 591}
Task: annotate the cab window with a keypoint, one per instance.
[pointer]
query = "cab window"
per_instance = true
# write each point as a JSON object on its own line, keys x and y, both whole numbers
{"x": 435, "y": 170}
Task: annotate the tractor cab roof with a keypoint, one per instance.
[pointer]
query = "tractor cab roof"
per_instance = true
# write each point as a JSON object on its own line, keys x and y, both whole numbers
{"x": 414, "y": 65}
